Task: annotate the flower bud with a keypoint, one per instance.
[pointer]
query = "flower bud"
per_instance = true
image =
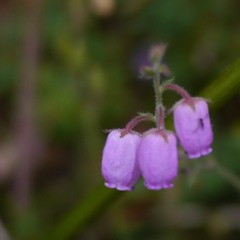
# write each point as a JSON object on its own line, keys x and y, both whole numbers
{"x": 158, "y": 159}
{"x": 193, "y": 127}
{"x": 157, "y": 52}
{"x": 119, "y": 163}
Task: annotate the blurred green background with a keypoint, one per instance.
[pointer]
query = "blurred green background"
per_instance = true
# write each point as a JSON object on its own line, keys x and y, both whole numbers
{"x": 69, "y": 70}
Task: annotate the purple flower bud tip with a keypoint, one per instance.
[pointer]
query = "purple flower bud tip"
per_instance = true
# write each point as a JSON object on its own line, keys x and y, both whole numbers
{"x": 193, "y": 127}
{"x": 158, "y": 159}
{"x": 119, "y": 163}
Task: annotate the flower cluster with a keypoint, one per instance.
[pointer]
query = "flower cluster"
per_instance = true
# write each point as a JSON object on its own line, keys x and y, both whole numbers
{"x": 153, "y": 155}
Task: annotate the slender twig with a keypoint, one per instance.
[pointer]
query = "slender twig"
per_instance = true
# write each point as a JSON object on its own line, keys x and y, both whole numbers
{"x": 24, "y": 120}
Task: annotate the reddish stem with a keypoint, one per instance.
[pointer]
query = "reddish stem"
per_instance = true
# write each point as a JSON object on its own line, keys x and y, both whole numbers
{"x": 177, "y": 89}
{"x": 160, "y": 117}
{"x": 134, "y": 122}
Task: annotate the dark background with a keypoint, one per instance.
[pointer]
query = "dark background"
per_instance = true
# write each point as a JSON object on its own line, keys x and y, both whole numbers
{"x": 69, "y": 70}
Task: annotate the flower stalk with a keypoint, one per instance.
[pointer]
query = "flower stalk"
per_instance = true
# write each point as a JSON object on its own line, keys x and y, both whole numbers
{"x": 157, "y": 54}
{"x": 181, "y": 91}
{"x": 156, "y": 84}
{"x": 134, "y": 122}
{"x": 160, "y": 117}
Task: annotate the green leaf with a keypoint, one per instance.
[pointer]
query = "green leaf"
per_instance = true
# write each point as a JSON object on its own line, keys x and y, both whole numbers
{"x": 84, "y": 212}
{"x": 223, "y": 87}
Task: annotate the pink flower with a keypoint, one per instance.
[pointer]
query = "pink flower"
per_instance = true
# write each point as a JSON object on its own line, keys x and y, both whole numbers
{"x": 119, "y": 164}
{"x": 158, "y": 159}
{"x": 193, "y": 127}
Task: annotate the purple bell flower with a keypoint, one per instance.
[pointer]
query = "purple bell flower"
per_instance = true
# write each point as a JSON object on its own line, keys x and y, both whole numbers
{"x": 119, "y": 163}
{"x": 193, "y": 127}
{"x": 158, "y": 159}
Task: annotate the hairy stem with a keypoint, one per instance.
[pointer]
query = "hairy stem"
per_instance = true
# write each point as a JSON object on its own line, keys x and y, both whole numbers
{"x": 160, "y": 117}
{"x": 181, "y": 91}
{"x": 156, "y": 84}
{"x": 159, "y": 109}
{"x": 134, "y": 122}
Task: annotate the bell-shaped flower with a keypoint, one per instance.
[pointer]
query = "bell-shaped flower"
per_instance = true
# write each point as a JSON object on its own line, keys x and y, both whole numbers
{"x": 193, "y": 126}
{"x": 158, "y": 159}
{"x": 119, "y": 163}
